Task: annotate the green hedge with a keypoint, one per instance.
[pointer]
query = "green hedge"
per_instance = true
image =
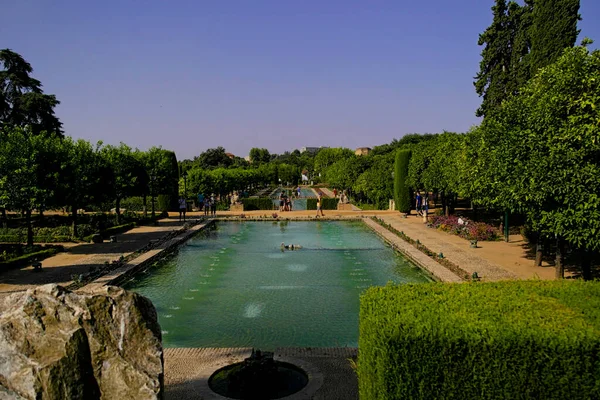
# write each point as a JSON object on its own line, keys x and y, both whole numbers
{"x": 258, "y": 203}
{"x": 115, "y": 230}
{"x": 27, "y": 258}
{"x": 136, "y": 203}
{"x": 328, "y": 203}
{"x": 22, "y": 238}
{"x": 502, "y": 340}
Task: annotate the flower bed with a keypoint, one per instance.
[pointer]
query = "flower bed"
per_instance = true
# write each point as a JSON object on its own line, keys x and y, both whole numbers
{"x": 469, "y": 230}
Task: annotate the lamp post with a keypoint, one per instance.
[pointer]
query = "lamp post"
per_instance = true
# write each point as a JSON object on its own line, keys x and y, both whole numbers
{"x": 152, "y": 180}
{"x": 185, "y": 185}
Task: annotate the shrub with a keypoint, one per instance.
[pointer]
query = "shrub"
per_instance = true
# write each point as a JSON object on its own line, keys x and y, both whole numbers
{"x": 136, "y": 203}
{"x": 258, "y": 203}
{"x": 402, "y": 195}
{"x": 327, "y": 203}
{"x": 468, "y": 230}
{"x": 25, "y": 259}
{"x": 501, "y": 340}
{"x": 164, "y": 202}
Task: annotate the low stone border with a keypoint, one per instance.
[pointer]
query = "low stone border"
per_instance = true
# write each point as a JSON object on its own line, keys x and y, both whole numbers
{"x": 119, "y": 275}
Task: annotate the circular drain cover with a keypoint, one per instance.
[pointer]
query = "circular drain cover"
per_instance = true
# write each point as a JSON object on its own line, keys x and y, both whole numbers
{"x": 237, "y": 381}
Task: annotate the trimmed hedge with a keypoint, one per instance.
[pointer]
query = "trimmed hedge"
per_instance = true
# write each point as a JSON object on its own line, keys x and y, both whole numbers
{"x": 18, "y": 238}
{"x": 258, "y": 203}
{"x": 115, "y": 230}
{"x": 27, "y": 258}
{"x": 328, "y": 203}
{"x": 500, "y": 340}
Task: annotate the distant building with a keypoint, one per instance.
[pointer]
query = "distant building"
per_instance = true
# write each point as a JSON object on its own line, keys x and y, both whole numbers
{"x": 230, "y": 155}
{"x": 247, "y": 158}
{"x": 362, "y": 151}
{"x": 312, "y": 150}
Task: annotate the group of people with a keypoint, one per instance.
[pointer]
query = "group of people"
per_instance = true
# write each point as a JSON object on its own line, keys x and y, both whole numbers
{"x": 421, "y": 204}
{"x": 285, "y": 203}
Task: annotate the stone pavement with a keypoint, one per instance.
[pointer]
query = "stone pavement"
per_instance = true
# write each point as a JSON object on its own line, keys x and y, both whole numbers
{"x": 331, "y": 376}
{"x": 491, "y": 260}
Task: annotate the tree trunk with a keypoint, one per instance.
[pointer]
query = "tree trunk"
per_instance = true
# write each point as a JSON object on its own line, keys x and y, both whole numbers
{"x": 4, "y": 218}
{"x": 29, "y": 228}
{"x": 560, "y": 268}
{"x": 506, "y": 230}
{"x": 539, "y": 251}
{"x": 474, "y": 208}
{"x": 145, "y": 208}
{"x": 586, "y": 265}
{"x": 444, "y": 204}
{"x": 74, "y": 220}
{"x": 118, "y": 210}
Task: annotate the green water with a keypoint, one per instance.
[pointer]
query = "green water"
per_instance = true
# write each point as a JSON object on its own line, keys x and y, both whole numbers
{"x": 234, "y": 286}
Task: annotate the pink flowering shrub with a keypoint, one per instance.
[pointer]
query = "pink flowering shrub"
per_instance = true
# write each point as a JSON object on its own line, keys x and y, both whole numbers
{"x": 469, "y": 230}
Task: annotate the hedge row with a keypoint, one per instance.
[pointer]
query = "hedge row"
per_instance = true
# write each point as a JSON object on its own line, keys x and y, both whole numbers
{"x": 115, "y": 230}
{"x": 501, "y": 340}
{"x": 327, "y": 203}
{"x": 22, "y": 238}
{"x": 27, "y": 258}
{"x": 258, "y": 203}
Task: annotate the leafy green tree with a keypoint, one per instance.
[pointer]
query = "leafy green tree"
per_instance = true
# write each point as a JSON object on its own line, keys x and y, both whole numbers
{"x": 402, "y": 193}
{"x": 259, "y": 156}
{"x": 83, "y": 178}
{"x": 22, "y": 101}
{"x": 328, "y": 156}
{"x": 126, "y": 173}
{"x": 163, "y": 176}
{"x": 554, "y": 28}
{"x": 28, "y": 179}
{"x": 213, "y": 158}
{"x": 544, "y": 150}
{"x": 376, "y": 182}
{"x": 435, "y": 166}
{"x": 344, "y": 173}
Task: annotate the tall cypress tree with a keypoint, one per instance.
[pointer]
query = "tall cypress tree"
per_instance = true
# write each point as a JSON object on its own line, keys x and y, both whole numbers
{"x": 401, "y": 190}
{"x": 491, "y": 80}
{"x": 554, "y": 28}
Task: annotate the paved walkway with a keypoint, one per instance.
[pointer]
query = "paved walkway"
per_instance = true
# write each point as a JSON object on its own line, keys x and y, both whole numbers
{"x": 491, "y": 260}
{"x": 78, "y": 259}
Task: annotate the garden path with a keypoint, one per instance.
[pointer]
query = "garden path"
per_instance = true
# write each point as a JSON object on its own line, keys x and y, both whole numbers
{"x": 491, "y": 260}
{"x": 77, "y": 259}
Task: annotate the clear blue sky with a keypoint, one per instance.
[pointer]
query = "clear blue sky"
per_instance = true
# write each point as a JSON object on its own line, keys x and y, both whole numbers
{"x": 190, "y": 75}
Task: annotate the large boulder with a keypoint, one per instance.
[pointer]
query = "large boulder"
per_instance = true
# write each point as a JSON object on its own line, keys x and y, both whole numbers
{"x": 57, "y": 344}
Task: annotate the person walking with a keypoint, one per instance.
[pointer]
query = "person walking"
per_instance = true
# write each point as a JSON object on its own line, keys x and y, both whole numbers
{"x": 213, "y": 205}
{"x": 320, "y": 206}
{"x": 206, "y": 206}
{"x": 419, "y": 204}
{"x": 182, "y": 207}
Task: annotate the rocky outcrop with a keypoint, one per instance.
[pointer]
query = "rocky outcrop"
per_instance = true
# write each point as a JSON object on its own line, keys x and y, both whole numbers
{"x": 57, "y": 344}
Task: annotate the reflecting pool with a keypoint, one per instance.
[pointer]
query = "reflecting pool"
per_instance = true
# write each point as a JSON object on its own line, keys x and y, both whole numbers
{"x": 234, "y": 285}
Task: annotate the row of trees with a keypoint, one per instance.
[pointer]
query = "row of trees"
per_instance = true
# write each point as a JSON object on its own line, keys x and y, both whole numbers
{"x": 46, "y": 171}
{"x": 537, "y": 154}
